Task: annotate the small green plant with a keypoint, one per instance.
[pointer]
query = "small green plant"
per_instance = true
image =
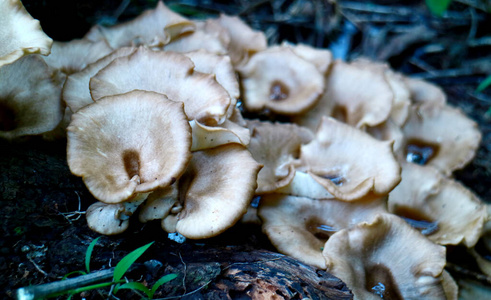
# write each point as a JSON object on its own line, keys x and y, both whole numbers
{"x": 117, "y": 281}
{"x": 438, "y": 7}
{"x": 484, "y": 84}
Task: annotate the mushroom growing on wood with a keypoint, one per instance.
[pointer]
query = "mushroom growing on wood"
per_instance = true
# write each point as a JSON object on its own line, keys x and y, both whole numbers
{"x": 386, "y": 258}
{"x": 281, "y": 81}
{"x": 300, "y": 226}
{"x": 214, "y": 192}
{"x": 128, "y": 144}
{"x": 30, "y": 101}
{"x": 168, "y": 73}
{"x": 349, "y": 163}
{"x": 443, "y": 209}
{"x": 20, "y": 34}
{"x": 440, "y": 136}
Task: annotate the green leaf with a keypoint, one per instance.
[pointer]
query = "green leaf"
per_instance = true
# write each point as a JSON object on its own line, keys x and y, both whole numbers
{"x": 88, "y": 254}
{"x": 438, "y": 7}
{"x": 161, "y": 281}
{"x": 135, "y": 286}
{"x": 127, "y": 261}
{"x": 484, "y": 84}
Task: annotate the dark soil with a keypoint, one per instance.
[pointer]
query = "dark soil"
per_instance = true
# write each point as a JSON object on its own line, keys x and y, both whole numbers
{"x": 45, "y": 235}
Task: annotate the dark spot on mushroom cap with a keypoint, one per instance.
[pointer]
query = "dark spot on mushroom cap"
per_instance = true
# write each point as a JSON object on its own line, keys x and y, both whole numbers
{"x": 319, "y": 230}
{"x": 339, "y": 113}
{"x": 131, "y": 160}
{"x": 7, "y": 118}
{"x": 278, "y": 91}
{"x": 417, "y": 220}
{"x": 380, "y": 281}
{"x": 420, "y": 152}
{"x": 172, "y": 180}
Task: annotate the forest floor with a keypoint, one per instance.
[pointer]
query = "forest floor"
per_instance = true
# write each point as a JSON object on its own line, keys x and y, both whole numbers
{"x": 43, "y": 228}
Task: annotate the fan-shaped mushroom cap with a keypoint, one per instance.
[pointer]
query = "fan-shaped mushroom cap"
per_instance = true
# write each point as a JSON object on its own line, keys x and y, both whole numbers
{"x": 215, "y": 190}
{"x": 368, "y": 103}
{"x": 209, "y": 35}
{"x": 321, "y": 58}
{"x": 349, "y": 163}
{"x": 281, "y": 81}
{"x": 167, "y": 73}
{"x": 73, "y": 56}
{"x": 299, "y": 226}
{"x": 451, "y": 212}
{"x": 442, "y": 137}
{"x": 130, "y": 143}
{"x": 244, "y": 41}
{"x": 29, "y": 98}
{"x": 425, "y": 93}
{"x": 104, "y": 218}
{"x": 276, "y": 146}
{"x": 76, "y": 92}
{"x": 20, "y": 34}
{"x": 388, "y": 259}
{"x": 205, "y": 137}
{"x": 222, "y": 68}
{"x": 155, "y": 27}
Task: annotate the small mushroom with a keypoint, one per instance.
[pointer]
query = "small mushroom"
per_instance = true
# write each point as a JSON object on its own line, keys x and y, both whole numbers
{"x": 20, "y": 34}
{"x": 281, "y": 81}
{"x": 366, "y": 104}
{"x": 154, "y": 27}
{"x": 76, "y": 92}
{"x": 215, "y": 191}
{"x": 300, "y": 226}
{"x": 276, "y": 146}
{"x": 386, "y": 258}
{"x": 349, "y": 163}
{"x": 440, "y": 136}
{"x": 168, "y": 73}
{"x": 30, "y": 101}
{"x": 73, "y": 56}
{"x": 128, "y": 144}
{"x": 205, "y": 137}
{"x": 441, "y": 208}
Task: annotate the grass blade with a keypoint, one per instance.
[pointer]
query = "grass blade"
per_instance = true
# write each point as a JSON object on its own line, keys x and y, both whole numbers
{"x": 127, "y": 261}
{"x": 136, "y": 286}
{"x": 88, "y": 254}
{"x": 438, "y": 7}
{"x": 484, "y": 84}
{"x": 161, "y": 281}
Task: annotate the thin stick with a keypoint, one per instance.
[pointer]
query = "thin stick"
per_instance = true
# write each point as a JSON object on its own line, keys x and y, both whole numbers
{"x": 43, "y": 290}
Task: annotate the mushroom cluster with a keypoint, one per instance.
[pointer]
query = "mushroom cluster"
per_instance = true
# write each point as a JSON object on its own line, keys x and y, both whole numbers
{"x": 358, "y": 182}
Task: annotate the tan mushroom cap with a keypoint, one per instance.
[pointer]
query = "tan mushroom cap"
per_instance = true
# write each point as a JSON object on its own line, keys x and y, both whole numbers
{"x": 206, "y": 137}
{"x": 388, "y": 131}
{"x": 167, "y": 73}
{"x": 30, "y": 101}
{"x": 357, "y": 94}
{"x": 215, "y": 190}
{"x": 449, "y": 213}
{"x": 154, "y": 27}
{"x": 20, "y": 34}
{"x": 104, "y": 218}
{"x": 276, "y": 146}
{"x": 281, "y": 81}
{"x": 73, "y": 56}
{"x": 386, "y": 257}
{"x": 244, "y": 41}
{"x": 222, "y": 68}
{"x": 76, "y": 92}
{"x": 349, "y": 163}
{"x": 299, "y": 226}
{"x": 127, "y": 144}
{"x": 321, "y": 58}
{"x": 209, "y": 36}
{"x": 442, "y": 137}
{"x": 425, "y": 93}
